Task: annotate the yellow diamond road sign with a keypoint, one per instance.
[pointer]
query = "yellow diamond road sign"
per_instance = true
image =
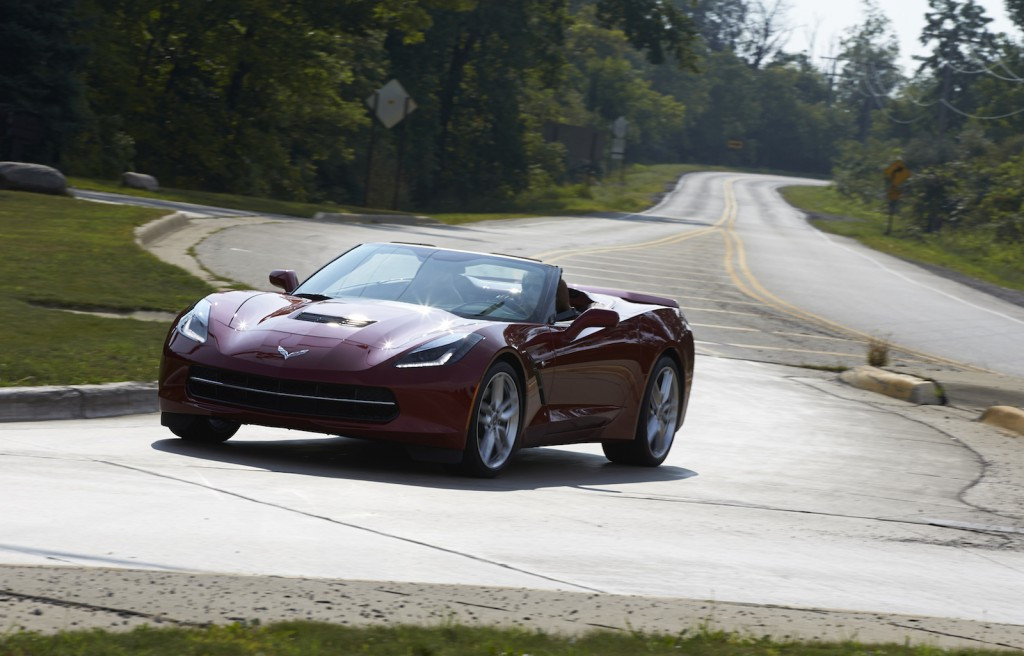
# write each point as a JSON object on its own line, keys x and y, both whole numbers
{"x": 897, "y": 173}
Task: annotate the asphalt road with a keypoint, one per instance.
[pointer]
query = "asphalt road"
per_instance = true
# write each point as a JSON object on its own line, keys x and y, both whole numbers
{"x": 784, "y": 487}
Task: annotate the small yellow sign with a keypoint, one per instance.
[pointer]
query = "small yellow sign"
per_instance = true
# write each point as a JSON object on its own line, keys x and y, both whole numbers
{"x": 897, "y": 173}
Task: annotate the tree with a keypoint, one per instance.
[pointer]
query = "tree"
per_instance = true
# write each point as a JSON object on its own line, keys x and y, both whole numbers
{"x": 261, "y": 97}
{"x": 766, "y": 31}
{"x": 1015, "y": 11}
{"x": 40, "y": 89}
{"x": 469, "y": 75}
{"x": 607, "y": 75}
{"x": 958, "y": 33}
{"x": 720, "y": 23}
{"x": 797, "y": 130}
{"x": 654, "y": 27}
{"x": 870, "y": 73}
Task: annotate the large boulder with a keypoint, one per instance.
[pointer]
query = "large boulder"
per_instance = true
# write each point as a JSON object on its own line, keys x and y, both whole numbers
{"x": 21, "y": 176}
{"x": 139, "y": 181}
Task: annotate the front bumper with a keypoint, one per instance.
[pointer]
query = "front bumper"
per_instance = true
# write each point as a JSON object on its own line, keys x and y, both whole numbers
{"x": 432, "y": 405}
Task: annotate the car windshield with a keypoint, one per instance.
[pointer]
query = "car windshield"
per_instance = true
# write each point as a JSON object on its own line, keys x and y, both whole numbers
{"x": 471, "y": 285}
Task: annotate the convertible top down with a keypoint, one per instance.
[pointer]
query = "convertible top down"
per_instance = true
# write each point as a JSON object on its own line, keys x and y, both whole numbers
{"x": 470, "y": 356}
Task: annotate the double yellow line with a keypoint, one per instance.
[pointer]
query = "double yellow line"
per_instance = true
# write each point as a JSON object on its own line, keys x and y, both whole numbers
{"x": 742, "y": 277}
{"x": 556, "y": 255}
{"x": 747, "y": 282}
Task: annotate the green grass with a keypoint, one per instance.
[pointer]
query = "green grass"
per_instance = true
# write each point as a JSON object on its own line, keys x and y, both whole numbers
{"x": 641, "y": 185}
{"x": 976, "y": 253}
{"x": 317, "y": 639}
{"x": 252, "y": 204}
{"x": 66, "y": 253}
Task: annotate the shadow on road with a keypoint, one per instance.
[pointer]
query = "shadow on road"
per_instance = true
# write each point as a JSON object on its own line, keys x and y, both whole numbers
{"x": 339, "y": 457}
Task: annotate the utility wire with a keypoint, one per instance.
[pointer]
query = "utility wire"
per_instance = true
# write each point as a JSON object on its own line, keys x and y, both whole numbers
{"x": 950, "y": 107}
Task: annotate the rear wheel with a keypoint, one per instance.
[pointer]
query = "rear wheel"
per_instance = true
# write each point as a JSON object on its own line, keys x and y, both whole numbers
{"x": 656, "y": 425}
{"x": 494, "y": 428}
{"x": 198, "y": 428}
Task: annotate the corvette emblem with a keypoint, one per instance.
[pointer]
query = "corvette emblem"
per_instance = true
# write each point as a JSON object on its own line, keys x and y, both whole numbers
{"x": 285, "y": 354}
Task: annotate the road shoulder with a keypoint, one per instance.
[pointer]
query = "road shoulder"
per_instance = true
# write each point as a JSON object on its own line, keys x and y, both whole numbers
{"x": 51, "y": 599}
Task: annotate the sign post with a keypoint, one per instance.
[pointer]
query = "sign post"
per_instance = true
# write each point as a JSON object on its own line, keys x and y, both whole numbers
{"x": 390, "y": 104}
{"x": 895, "y": 174}
{"x": 619, "y": 129}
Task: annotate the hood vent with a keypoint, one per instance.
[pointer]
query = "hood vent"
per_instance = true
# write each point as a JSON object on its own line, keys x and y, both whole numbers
{"x": 337, "y": 321}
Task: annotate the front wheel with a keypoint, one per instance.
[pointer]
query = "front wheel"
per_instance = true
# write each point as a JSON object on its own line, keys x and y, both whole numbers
{"x": 656, "y": 425}
{"x": 494, "y": 428}
{"x": 198, "y": 428}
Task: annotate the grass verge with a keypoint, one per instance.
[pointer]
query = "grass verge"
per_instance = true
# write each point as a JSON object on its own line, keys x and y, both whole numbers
{"x": 65, "y": 253}
{"x": 635, "y": 193}
{"x": 317, "y": 639}
{"x": 252, "y": 204}
{"x": 638, "y": 190}
{"x": 975, "y": 253}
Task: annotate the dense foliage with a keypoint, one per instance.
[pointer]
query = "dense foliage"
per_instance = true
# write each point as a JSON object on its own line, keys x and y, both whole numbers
{"x": 957, "y": 124}
{"x": 268, "y": 97}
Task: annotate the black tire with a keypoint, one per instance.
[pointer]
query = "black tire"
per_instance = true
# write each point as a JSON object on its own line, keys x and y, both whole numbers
{"x": 496, "y": 424}
{"x": 199, "y": 428}
{"x": 657, "y": 421}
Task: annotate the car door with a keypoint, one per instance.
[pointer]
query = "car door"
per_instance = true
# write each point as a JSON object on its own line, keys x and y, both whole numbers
{"x": 592, "y": 376}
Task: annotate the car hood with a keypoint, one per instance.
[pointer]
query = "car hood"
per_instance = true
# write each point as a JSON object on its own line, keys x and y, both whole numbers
{"x": 360, "y": 332}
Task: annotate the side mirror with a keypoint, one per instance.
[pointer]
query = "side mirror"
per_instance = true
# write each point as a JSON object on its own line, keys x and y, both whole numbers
{"x": 285, "y": 279}
{"x": 592, "y": 318}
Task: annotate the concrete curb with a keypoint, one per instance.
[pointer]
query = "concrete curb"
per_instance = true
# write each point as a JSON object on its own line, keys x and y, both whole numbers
{"x": 1006, "y": 417}
{"x": 899, "y": 386}
{"x": 154, "y": 230}
{"x": 76, "y": 402}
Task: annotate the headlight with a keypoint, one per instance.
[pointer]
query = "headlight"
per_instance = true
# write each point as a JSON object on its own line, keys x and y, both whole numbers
{"x": 195, "y": 325}
{"x": 440, "y": 351}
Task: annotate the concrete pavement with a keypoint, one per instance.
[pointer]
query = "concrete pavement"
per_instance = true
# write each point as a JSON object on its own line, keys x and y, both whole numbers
{"x": 50, "y": 599}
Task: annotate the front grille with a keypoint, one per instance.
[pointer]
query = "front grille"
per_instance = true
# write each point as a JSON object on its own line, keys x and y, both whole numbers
{"x": 350, "y": 402}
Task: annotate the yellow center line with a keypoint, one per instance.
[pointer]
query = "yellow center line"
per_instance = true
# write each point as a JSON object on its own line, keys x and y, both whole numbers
{"x": 725, "y": 301}
{"x": 555, "y": 255}
{"x": 575, "y": 269}
{"x": 697, "y": 309}
{"x": 790, "y": 350}
{"x": 711, "y": 325}
{"x": 742, "y": 277}
{"x": 750, "y": 285}
{"x": 806, "y": 336}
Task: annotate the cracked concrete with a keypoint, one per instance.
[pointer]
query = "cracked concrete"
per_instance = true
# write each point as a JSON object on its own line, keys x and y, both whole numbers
{"x": 52, "y": 599}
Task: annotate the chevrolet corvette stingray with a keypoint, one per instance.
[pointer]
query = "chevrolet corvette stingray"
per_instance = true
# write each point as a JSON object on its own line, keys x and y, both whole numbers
{"x": 466, "y": 356}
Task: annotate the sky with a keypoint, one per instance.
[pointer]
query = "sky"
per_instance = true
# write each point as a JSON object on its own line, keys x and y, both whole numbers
{"x": 829, "y": 21}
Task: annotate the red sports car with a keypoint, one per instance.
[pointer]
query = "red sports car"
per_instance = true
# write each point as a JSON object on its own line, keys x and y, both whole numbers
{"x": 464, "y": 357}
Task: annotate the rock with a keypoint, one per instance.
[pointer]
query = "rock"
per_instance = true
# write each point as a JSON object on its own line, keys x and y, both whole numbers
{"x": 139, "y": 181}
{"x": 22, "y": 176}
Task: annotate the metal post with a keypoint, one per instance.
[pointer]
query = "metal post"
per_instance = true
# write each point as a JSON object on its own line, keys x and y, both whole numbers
{"x": 401, "y": 155}
{"x": 369, "y": 154}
